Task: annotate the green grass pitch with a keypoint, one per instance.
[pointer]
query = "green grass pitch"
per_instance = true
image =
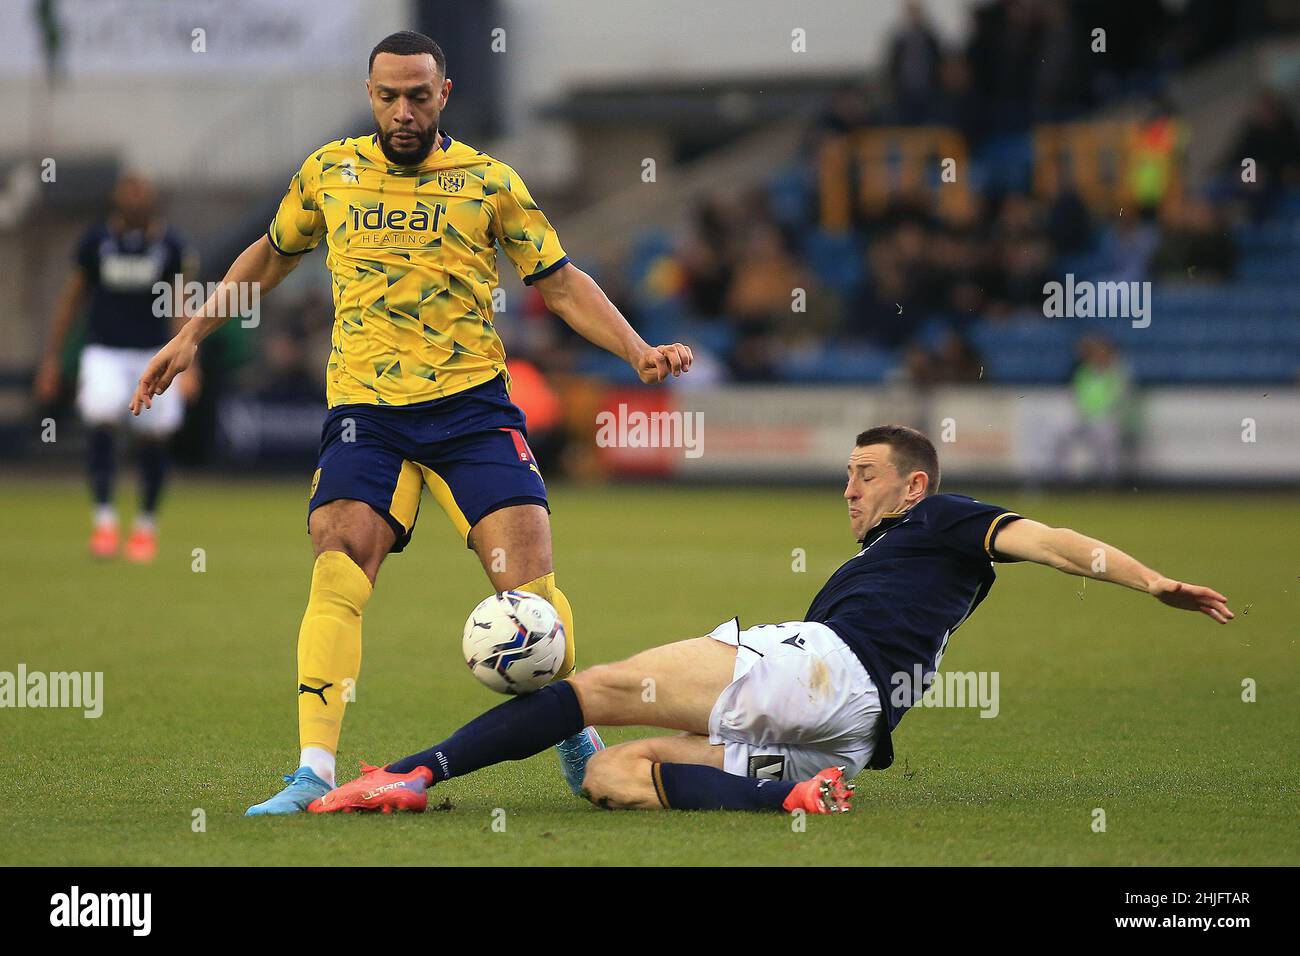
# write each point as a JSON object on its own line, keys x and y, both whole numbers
{"x": 1108, "y": 700}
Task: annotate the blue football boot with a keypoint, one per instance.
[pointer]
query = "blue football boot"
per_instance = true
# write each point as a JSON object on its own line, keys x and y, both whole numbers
{"x": 574, "y": 754}
{"x": 304, "y": 787}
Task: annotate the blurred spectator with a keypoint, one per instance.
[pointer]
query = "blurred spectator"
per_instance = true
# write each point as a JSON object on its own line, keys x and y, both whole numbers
{"x": 762, "y": 299}
{"x": 1103, "y": 406}
{"x": 955, "y": 102}
{"x": 917, "y": 368}
{"x": 1135, "y": 32}
{"x": 708, "y": 257}
{"x": 914, "y": 65}
{"x": 1125, "y": 251}
{"x": 1069, "y": 227}
{"x": 1204, "y": 28}
{"x": 1154, "y": 156}
{"x": 956, "y": 360}
{"x": 293, "y": 346}
{"x": 1270, "y": 137}
{"x": 530, "y": 390}
{"x": 1024, "y": 253}
{"x": 1005, "y": 51}
{"x": 953, "y": 360}
{"x": 1195, "y": 243}
{"x": 1061, "y": 78}
{"x": 880, "y": 318}
{"x": 848, "y": 110}
{"x": 765, "y": 276}
{"x": 285, "y": 373}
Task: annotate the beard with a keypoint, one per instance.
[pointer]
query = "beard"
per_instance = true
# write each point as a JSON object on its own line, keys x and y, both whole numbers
{"x": 412, "y": 155}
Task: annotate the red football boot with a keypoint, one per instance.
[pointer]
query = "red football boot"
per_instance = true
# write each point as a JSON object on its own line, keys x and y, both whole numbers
{"x": 825, "y": 793}
{"x": 103, "y": 541}
{"x": 377, "y": 790}
{"x": 142, "y": 546}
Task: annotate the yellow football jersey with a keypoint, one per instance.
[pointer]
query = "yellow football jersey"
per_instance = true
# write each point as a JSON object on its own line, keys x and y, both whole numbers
{"x": 412, "y": 254}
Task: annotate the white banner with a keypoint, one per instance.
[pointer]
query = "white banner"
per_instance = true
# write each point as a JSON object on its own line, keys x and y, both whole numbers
{"x": 120, "y": 37}
{"x": 1247, "y": 434}
{"x": 996, "y": 433}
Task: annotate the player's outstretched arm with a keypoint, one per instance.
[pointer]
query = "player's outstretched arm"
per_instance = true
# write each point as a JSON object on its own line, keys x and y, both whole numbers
{"x": 259, "y": 263}
{"x": 47, "y": 373}
{"x": 1074, "y": 553}
{"x": 576, "y": 298}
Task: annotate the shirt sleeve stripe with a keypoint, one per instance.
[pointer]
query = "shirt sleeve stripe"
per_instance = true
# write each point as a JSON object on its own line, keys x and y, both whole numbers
{"x": 271, "y": 239}
{"x": 562, "y": 261}
{"x": 993, "y": 527}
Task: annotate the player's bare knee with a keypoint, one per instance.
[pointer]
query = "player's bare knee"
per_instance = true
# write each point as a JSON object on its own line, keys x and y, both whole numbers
{"x": 355, "y": 529}
{"x": 362, "y": 554}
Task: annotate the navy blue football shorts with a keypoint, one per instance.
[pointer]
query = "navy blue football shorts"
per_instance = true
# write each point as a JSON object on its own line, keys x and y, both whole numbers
{"x": 470, "y": 449}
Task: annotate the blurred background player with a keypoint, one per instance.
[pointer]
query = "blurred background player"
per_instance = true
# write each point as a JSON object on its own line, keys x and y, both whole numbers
{"x": 417, "y": 382}
{"x": 1102, "y": 414}
{"x": 117, "y": 264}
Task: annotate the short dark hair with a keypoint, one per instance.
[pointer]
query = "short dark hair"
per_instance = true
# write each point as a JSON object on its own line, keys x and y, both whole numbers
{"x": 409, "y": 43}
{"x": 910, "y": 451}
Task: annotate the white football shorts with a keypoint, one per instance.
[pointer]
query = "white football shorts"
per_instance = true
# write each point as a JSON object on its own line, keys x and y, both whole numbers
{"x": 107, "y": 381}
{"x": 799, "y": 701}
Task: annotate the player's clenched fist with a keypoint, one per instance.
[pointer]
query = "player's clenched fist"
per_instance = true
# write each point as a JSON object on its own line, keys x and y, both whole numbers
{"x": 174, "y": 357}
{"x": 657, "y": 363}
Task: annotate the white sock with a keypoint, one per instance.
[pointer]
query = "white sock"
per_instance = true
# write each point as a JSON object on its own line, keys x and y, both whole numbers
{"x": 319, "y": 761}
{"x": 145, "y": 522}
{"x": 105, "y": 516}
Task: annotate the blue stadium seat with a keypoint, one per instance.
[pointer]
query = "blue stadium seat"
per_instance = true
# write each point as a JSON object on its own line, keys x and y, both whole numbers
{"x": 792, "y": 195}
{"x": 657, "y": 321}
{"x": 718, "y": 337}
{"x": 840, "y": 365}
{"x": 1271, "y": 267}
{"x": 600, "y": 364}
{"x": 649, "y": 246}
{"x": 1083, "y": 265}
{"x": 1028, "y": 365}
{"x": 1213, "y": 366}
{"x": 836, "y": 259}
{"x": 1004, "y": 163}
{"x": 1260, "y": 237}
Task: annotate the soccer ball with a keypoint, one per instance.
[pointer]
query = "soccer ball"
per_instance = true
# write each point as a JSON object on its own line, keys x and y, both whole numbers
{"x": 514, "y": 642}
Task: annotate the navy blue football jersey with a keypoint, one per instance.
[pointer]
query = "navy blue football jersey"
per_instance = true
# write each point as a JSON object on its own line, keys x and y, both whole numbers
{"x": 896, "y": 603}
{"x": 121, "y": 268}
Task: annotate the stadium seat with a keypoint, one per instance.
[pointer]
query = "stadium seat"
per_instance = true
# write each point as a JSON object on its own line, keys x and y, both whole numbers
{"x": 836, "y": 259}
{"x": 1004, "y": 163}
{"x": 792, "y": 195}
{"x": 843, "y": 365}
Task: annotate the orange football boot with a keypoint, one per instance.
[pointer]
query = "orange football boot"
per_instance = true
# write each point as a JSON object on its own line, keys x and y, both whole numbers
{"x": 377, "y": 790}
{"x": 142, "y": 546}
{"x": 824, "y": 793}
{"x": 103, "y": 541}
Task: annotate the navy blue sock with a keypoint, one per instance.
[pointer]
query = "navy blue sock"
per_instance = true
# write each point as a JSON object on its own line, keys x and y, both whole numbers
{"x": 514, "y": 730}
{"x": 689, "y": 786}
{"x": 153, "y": 472}
{"x": 101, "y": 464}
